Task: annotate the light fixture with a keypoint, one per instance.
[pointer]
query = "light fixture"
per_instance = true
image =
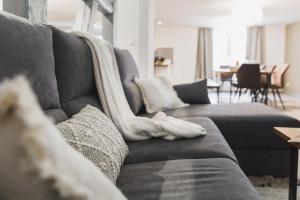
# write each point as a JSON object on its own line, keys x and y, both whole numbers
{"x": 246, "y": 12}
{"x": 159, "y": 22}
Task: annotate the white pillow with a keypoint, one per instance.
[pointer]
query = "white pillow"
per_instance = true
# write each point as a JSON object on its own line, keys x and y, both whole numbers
{"x": 91, "y": 133}
{"x": 36, "y": 161}
{"x": 158, "y": 94}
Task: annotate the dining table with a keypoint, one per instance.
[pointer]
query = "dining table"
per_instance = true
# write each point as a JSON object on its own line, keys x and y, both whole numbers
{"x": 264, "y": 72}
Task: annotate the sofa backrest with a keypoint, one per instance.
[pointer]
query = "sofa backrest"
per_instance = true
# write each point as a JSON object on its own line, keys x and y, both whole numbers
{"x": 74, "y": 72}
{"x": 26, "y": 48}
{"x": 128, "y": 71}
{"x": 59, "y": 65}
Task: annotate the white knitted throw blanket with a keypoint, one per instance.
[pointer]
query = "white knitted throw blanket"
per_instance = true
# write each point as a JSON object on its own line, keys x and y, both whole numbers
{"x": 116, "y": 107}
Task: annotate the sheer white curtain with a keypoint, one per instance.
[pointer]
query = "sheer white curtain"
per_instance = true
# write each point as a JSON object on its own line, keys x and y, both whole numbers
{"x": 1, "y": 5}
{"x": 37, "y": 10}
{"x": 229, "y": 46}
{"x": 87, "y": 11}
{"x": 254, "y": 52}
{"x": 85, "y": 15}
{"x": 204, "y": 65}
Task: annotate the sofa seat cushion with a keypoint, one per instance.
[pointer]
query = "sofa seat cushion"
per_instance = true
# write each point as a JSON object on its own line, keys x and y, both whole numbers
{"x": 244, "y": 126}
{"x": 74, "y": 72}
{"x": 212, "y": 145}
{"x": 26, "y": 48}
{"x": 205, "y": 179}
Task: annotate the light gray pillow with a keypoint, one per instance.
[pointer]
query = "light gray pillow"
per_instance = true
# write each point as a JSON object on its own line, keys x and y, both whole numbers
{"x": 96, "y": 137}
{"x": 158, "y": 94}
{"x": 36, "y": 161}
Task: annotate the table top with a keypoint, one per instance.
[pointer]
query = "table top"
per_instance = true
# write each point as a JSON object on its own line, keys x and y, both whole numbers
{"x": 262, "y": 71}
{"x": 288, "y": 133}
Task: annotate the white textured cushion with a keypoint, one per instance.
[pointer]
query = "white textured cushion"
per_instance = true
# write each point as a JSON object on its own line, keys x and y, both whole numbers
{"x": 96, "y": 137}
{"x": 36, "y": 161}
{"x": 158, "y": 94}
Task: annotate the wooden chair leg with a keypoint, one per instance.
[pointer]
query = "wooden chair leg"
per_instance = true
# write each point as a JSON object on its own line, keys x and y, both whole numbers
{"x": 230, "y": 92}
{"x": 274, "y": 97}
{"x": 222, "y": 86}
{"x": 280, "y": 99}
{"x": 262, "y": 93}
{"x": 235, "y": 93}
{"x": 255, "y": 95}
{"x": 252, "y": 94}
{"x": 240, "y": 94}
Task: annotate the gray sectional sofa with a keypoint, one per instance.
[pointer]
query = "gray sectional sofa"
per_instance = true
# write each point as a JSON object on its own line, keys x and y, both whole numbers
{"x": 59, "y": 66}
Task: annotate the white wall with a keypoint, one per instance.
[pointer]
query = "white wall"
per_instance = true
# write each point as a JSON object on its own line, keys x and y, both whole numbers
{"x": 107, "y": 29}
{"x": 274, "y": 45}
{"x": 292, "y": 82}
{"x": 134, "y": 29}
{"x": 126, "y": 26}
{"x": 184, "y": 42}
{"x": 146, "y": 38}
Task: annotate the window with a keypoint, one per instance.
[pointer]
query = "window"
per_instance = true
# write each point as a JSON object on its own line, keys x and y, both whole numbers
{"x": 229, "y": 46}
{"x": 62, "y": 13}
{"x": 63, "y": 18}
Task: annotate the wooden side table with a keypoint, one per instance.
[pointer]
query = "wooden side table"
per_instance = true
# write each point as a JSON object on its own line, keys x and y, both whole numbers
{"x": 286, "y": 134}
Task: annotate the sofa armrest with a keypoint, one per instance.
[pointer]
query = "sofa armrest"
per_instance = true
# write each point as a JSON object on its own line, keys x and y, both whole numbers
{"x": 193, "y": 93}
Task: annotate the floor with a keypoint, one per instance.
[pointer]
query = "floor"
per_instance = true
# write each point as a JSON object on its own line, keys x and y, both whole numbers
{"x": 271, "y": 188}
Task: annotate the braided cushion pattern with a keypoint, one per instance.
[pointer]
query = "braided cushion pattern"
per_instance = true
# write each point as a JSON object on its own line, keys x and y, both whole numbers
{"x": 91, "y": 133}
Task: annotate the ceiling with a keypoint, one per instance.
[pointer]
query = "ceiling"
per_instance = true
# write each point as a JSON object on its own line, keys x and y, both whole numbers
{"x": 211, "y": 13}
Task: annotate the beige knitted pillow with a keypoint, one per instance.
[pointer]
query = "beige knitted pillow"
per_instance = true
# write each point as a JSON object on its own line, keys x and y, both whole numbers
{"x": 158, "y": 94}
{"x": 96, "y": 137}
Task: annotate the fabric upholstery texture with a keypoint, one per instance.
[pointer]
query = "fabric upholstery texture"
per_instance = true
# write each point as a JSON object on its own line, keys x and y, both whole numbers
{"x": 248, "y": 129}
{"x": 259, "y": 162}
{"x": 74, "y": 72}
{"x": 36, "y": 162}
{"x": 128, "y": 71}
{"x": 212, "y": 145}
{"x": 158, "y": 94}
{"x": 205, "y": 179}
{"x": 95, "y": 136}
{"x": 26, "y": 48}
{"x": 193, "y": 93}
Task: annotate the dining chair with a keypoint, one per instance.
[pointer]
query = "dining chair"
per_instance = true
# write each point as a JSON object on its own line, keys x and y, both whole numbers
{"x": 265, "y": 79}
{"x": 277, "y": 82}
{"x": 248, "y": 77}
